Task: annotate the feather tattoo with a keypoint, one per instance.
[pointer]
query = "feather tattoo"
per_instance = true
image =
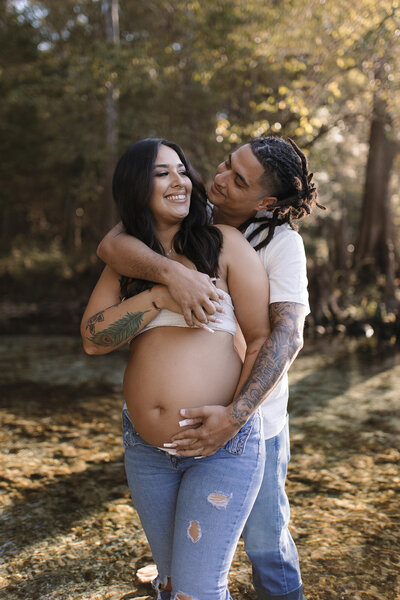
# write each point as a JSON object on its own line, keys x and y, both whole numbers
{"x": 119, "y": 331}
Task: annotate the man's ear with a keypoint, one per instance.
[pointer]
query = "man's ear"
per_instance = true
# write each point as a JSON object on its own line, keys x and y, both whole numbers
{"x": 266, "y": 201}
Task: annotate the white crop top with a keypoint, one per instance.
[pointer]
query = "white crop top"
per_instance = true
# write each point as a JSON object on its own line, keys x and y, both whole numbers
{"x": 167, "y": 318}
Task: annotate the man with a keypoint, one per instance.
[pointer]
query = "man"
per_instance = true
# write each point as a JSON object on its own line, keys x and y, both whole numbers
{"x": 260, "y": 189}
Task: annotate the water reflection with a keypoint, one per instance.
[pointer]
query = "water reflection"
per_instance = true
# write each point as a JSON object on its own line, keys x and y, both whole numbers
{"x": 323, "y": 371}
{"x": 58, "y": 360}
{"x": 328, "y": 369}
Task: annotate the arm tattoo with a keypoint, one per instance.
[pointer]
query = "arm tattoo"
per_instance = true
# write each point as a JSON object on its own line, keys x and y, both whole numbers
{"x": 274, "y": 358}
{"x": 97, "y": 318}
{"x": 116, "y": 333}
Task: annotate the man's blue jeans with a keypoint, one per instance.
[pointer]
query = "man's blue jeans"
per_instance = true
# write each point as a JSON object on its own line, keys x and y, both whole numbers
{"x": 193, "y": 510}
{"x": 268, "y": 543}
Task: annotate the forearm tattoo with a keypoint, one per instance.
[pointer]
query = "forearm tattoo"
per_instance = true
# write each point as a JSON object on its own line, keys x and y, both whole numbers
{"x": 97, "y": 318}
{"x": 118, "y": 332}
{"x": 274, "y": 358}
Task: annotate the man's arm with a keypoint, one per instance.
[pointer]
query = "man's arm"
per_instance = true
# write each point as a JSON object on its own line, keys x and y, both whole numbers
{"x": 193, "y": 291}
{"x": 273, "y": 361}
{"x": 220, "y": 424}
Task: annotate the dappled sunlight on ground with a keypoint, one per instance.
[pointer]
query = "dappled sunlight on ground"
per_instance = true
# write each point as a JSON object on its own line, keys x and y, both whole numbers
{"x": 68, "y": 527}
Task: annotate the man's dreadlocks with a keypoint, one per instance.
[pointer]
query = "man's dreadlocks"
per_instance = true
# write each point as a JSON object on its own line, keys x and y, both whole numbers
{"x": 286, "y": 176}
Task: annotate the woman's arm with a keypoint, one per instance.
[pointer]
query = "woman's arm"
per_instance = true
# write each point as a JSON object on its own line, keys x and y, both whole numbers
{"x": 249, "y": 290}
{"x": 108, "y": 323}
{"x": 193, "y": 291}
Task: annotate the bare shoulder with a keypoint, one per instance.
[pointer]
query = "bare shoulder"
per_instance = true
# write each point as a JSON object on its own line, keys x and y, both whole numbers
{"x": 233, "y": 239}
{"x": 228, "y": 231}
{"x": 240, "y": 259}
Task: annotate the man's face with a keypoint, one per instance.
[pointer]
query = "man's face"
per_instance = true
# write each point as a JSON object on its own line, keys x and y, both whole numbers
{"x": 236, "y": 189}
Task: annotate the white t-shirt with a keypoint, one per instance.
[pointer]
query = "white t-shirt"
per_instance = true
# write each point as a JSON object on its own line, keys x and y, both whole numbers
{"x": 284, "y": 260}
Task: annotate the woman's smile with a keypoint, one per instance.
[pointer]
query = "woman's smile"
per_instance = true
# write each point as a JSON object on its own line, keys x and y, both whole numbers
{"x": 181, "y": 197}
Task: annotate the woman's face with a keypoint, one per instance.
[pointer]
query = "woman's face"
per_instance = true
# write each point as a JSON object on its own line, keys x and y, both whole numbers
{"x": 170, "y": 201}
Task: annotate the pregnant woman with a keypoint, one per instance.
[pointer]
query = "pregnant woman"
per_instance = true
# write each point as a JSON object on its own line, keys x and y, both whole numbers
{"x": 192, "y": 509}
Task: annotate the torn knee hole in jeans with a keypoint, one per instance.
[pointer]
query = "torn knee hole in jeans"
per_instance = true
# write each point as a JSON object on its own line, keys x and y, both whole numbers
{"x": 194, "y": 531}
{"x": 219, "y": 500}
{"x": 181, "y": 596}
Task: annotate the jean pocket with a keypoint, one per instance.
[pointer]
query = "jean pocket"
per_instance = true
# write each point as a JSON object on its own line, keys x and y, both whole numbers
{"x": 237, "y": 444}
{"x": 130, "y": 436}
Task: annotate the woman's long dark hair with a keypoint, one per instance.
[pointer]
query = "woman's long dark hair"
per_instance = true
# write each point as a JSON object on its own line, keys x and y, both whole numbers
{"x": 132, "y": 189}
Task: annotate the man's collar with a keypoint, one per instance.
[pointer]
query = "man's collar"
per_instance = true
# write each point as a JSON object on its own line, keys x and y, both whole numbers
{"x": 263, "y": 214}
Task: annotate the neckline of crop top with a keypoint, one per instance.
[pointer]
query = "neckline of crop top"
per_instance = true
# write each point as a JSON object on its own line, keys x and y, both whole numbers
{"x": 167, "y": 318}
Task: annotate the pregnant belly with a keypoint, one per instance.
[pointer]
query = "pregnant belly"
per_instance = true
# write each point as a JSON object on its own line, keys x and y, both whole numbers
{"x": 172, "y": 368}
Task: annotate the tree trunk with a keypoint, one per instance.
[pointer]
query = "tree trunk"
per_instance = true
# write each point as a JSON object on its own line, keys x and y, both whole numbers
{"x": 375, "y": 246}
{"x": 338, "y": 240}
{"x": 109, "y": 216}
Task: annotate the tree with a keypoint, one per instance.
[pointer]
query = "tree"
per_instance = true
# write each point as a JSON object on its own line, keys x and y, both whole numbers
{"x": 109, "y": 213}
{"x": 209, "y": 76}
{"x": 376, "y": 241}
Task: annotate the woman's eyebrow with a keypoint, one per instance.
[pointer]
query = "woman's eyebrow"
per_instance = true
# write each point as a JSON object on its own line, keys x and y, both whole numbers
{"x": 167, "y": 166}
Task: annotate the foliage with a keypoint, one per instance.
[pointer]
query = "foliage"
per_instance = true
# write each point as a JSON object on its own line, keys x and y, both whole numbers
{"x": 207, "y": 75}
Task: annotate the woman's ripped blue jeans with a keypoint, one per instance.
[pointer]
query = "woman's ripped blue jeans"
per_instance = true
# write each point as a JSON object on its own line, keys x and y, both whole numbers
{"x": 193, "y": 510}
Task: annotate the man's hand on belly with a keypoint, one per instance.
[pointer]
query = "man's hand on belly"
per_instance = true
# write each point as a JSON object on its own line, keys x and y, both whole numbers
{"x": 215, "y": 431}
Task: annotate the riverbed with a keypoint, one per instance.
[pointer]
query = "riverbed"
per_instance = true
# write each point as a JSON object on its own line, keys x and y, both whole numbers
{"x": 68, "y": 529}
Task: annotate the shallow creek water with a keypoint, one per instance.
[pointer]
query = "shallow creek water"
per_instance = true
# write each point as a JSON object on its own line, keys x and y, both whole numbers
{"x": 330, "y": 380}
{"x": 68, "y": 528}
{"x": 323, "y": 368}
